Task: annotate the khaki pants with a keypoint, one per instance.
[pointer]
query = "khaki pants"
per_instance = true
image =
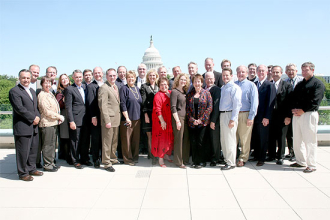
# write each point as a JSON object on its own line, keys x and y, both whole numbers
{"x": 305, "y": 131}
{"x": 109, "y": 145}
{"x": 228, "y": 138}
{"x": 243, "y": 135}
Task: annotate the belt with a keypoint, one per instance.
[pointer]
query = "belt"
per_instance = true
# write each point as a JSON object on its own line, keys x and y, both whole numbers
{"x": 243, "y": 111}
{"x": 226, "y": 111}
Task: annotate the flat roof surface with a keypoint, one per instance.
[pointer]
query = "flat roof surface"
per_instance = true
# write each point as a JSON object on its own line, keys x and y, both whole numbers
{"x": 152, "y": 192}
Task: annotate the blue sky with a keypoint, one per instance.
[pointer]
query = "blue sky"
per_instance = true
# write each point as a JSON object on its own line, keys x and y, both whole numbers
{"x": 84, "y": 34}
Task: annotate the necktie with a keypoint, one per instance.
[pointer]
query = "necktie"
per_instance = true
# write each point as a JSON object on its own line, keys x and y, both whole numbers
{"x": 259, "y": 84}
{"x": 291, "y": 81}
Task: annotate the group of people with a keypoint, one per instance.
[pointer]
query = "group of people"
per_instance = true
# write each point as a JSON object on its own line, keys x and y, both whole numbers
{"x": 207, "y": 117}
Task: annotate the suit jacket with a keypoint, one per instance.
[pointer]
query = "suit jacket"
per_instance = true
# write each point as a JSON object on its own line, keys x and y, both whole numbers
{"x": 148, "y": 94}
{"x": 217, "y": 79}
{"x": 267, "y": 94}
{"x": 216, "y": 95}
{"x": 109, "y": 103}
{"x": 74, "y": 104}
{"x": 92, "y": 101}
{"x": 25, "y": 111}
{"x": 119, "y": 83}
{"x": 282, "y": 105}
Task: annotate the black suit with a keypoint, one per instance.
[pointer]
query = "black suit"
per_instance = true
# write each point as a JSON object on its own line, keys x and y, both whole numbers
{"x": 94, "y": 111}
{"x": 25, "y": 110}
{"x": 212, "y": 137}
{"x": 76, "y": 110}
{"x": 119, "y": 83}
{"x": 260, "y": 133}
{"x": 278, "y": 129}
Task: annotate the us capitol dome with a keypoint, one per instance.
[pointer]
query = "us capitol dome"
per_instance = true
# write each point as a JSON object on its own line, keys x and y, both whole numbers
{"x": 152, "y": 58}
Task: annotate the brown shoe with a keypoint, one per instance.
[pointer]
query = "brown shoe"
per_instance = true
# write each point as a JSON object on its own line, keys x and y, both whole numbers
{"x": 26, "y": 178}
{"x": 260, "y": 163}
{"x": 240, "y": 163}
{"x": 36, "y": 173}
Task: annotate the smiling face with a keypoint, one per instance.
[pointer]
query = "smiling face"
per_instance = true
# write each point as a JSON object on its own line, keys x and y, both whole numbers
{"x": 130, "y": 78}
{"x": 163, "y": 86}
{"x": 192, "y": 69}
{"x": 162, "y": 72}
{"x": 51, "y": 73}
{"x": 276, "y": 73}
{"x": 176, "y": 71}
{"x": 152, "y": 77}
{"x": 142, "y": 69}
{"x": 35, "y": 73}
{"x": 241, "y": 73}
{"x": 25, "y": 78}
{"x": 183, "y": 81}
{"x": 209, "y": 79}
{"x": 122, "y": 73}
{"x": 209, "y": 65}
{"x": 291, "y": 71}
{"x": 262, "y": 72}
{"x": 252, "y": 72}
{"x": 111, "y": 76}
{"x": 64, "y": 81}
{"x": 197, "y": 84}
{"x": 46, "y": 85}
{"x": 226, "y": 76}
{"x": 225, "y": 65}
{"x": 77, "y": 77}
{"x": 98, "y": 73}
{"x": 88, "y": 77}
{"x": 306, "y": 72}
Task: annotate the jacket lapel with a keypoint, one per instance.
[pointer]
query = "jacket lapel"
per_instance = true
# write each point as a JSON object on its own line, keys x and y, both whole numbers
{"x": 75, "y": 89}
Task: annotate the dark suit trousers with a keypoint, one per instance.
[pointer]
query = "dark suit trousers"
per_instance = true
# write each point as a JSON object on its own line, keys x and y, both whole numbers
{"x": 196, "y": 140}
{"x": 26, "y": 154}
{"x": 289, "y": 138}
{"x": 96, "y": 145}
{"x": 278, "y": 131}
{"x": 78, "y": 145}
{"x": 215, "y": 142}
{"x": 181, "y": 142}
{"x": 260, "y": 136}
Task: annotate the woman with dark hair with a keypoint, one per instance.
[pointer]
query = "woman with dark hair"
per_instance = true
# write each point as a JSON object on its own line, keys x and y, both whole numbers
{"x": 199, "y": 108}
{"x": 130, "y": 106}
{"x": 148, "y": 91}
{"x": 180, "y": 129}
{"x": 64, "y": 149}
{"x": 50, "y": 117}
{"x": 162, "y": 133}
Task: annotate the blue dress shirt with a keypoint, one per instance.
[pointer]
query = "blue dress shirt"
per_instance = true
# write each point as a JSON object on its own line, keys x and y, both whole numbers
{"x": 249, "y": 99}
{"x": 231, "y": 99}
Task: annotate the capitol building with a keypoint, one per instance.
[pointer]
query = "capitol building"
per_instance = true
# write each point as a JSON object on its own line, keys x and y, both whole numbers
{"x": 152, "y": 58}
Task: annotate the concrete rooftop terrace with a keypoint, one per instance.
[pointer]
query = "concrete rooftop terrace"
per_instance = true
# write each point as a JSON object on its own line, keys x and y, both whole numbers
{"x": 152, "y": 192}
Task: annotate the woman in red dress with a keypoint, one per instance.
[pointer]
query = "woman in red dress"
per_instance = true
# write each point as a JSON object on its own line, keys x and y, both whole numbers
{"x": 162, "y": 133}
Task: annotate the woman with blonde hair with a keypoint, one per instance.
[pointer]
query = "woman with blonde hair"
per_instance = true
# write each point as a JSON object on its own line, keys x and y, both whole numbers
{"x": 130, "y": 106}
{"x": 148, "y": 92}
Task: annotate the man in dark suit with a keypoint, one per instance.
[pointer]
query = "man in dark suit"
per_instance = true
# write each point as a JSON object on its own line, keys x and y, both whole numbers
{"x": 76, "y": 109}
{"x": 260, "y": 133}
{"x": 209, "y": 67}
{"x": 25, "y": 126}
{"x": 121, "y": 79}
{"x": 141, "y": 79}
{"x": 94, "y": 120}
{"x": 212, "y": 134}
{"x": 281, "y": 117}
{"x": 88, "y": 77}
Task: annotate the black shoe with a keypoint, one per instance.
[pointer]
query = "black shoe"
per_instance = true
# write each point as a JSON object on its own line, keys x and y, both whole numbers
{"x": 292, "y": 159}
{"x": 54, "y": 169}
{"x": 88, "y": 163}
{"x": 78, "y": 166}
{"x": 57, "y": 166}
{"x": 203, "y": 164}
{"x": 269, "y": 159}
{"x": 69, "y": 162}
{"x": 288, "y": 156}
{"x": 198, "y": 166}
{"x": 279, "y": 162}
{"x": 221, "y": 161}
{"x": 39, "y": 165}
{"x": 187, "y": 163}
{"x": 97, "y": 164}
{"x": 260, "y": 163}
{"x": 213, "y": 164}
{"x": 227, "y": 167}
{"x": 110, "y": 169}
